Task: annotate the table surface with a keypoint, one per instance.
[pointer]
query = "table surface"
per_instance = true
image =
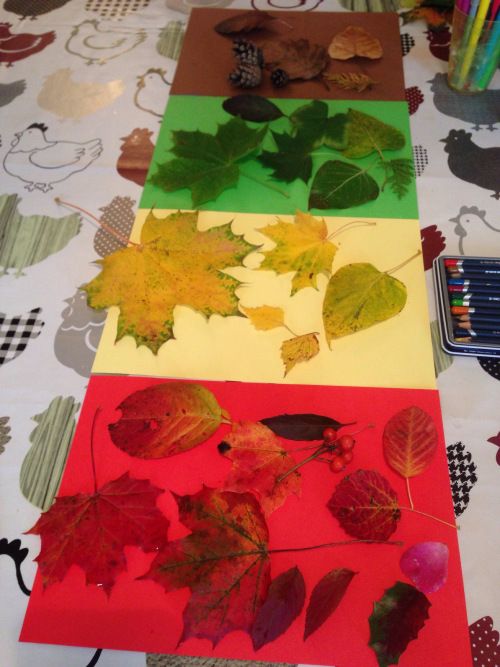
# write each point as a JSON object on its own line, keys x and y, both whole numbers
{"x": 44, "y": 381}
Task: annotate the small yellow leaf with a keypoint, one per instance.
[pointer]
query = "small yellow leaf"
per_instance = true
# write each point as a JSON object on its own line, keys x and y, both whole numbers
{"x": 301, "y": 246}
{"x": 265, "y": 317}
{"x": 300, "y": 348}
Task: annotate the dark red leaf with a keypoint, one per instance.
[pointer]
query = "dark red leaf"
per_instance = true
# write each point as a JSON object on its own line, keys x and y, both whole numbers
{"x": 91, "y": 531}
{"x": 244, "y": 22}
{"x": 366, "y": 506}
{"x": 326, "y": 597}
{"x": 301, "y": 426}
{"x": 410, "y": 441}
{"x": 283, "y": 604}
{"x": 433, "y": 244}
{"x": 224, "y": 561}
{"x": 397, "y": 618}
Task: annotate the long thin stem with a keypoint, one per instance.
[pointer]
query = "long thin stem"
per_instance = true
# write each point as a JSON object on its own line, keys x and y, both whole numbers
{"x": 351, "y": 225}
{"x": 431, "y": 516}
{"x": 102, "y": 224}
{"x": 321, "y": 450}
{"x": 410, "y": 499}
{"x": 335, "y": 544}
{"x": 407, "y": 261}
{"x": 264, "y": 183}
{"x": 92, "y": 434}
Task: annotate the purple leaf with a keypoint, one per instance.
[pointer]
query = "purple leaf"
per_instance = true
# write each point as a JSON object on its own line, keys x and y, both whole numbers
{"x": 326, "y": 597}
{"x": 283, "y": 604}
{"x": 426, "y": 565}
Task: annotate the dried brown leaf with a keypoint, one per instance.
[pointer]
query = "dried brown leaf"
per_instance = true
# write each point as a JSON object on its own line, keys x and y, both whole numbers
{"x": 351, "y": 81}
{"x": 355, "y": 41}
{"x": 298, "y": 57}
{"x": 245, "y": 22}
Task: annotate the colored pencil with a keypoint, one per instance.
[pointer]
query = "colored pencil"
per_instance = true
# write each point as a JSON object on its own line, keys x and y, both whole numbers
{"x": 475, "y": 282}
{"x": 471, "y": 37}
{"x": 471, "y": 299}
{"x": 480, "y": 329}
{"x": 474, "y": 274}
{"x": 491, "y": 57}
{"x": 477, "y": 320}
{"x": 483, "y": 310}
{"x": 476, "y": 264}
{"x": 467, "y": 338}
{"x": 465, "y": 289}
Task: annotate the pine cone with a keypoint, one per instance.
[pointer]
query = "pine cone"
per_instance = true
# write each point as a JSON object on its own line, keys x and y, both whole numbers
{"x": 279, "y": 78}
{"x": 246, "y": 76}
{"x": 247, "y": 53}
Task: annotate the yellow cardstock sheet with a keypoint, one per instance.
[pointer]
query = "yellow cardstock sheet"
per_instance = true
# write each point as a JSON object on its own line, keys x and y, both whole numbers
{"x": 393, "y": 353}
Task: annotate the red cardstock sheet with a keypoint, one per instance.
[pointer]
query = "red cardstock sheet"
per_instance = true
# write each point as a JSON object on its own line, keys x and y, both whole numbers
{"x": 139, "y": 615}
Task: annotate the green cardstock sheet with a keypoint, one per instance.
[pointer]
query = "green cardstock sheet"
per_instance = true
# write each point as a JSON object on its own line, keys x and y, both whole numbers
{"x": 256, "y": 191}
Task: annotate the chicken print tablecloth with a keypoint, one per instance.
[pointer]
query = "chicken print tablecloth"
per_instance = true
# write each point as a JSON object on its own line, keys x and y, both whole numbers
{"x": 83, "y": 87}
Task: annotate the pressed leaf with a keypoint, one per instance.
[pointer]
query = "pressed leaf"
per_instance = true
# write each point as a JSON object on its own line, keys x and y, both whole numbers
{"x": 399, "y": 175}
{"x": 302, "y": 246}
{"x": 205, "y": 163}
{"x": 351, "y": 81}
{"x": 326, "y": 597}
{"x": 149, "y": 280}
{"x": 301, "y": 426}
{"x": 300, "y": 348}
{"x": 265, "y": 318}
{"x": 397, "y": 618}
{"x": 339, "y": 184}
{"x": 291, "y": 160}
{"x": 359, "y": 296}
{"x": 284, "y": 602}
{"x": 366, "y": 506}
{"x": 259, "y": 460}
{"x": 92, "y": 530}
{"x": 410, "y": 441}
{"x": 426, "y": 565}
{"x": 312, "y": 123}
{"x": 165, "y": 419}
{"x": 244, "y": 22}
{"x": 252, "y": 107}
{"x": 298, "y": 57}
{"x": 366, "y": 134}
{"x": 355, "y": 41}
{"x": 224, "y": 562}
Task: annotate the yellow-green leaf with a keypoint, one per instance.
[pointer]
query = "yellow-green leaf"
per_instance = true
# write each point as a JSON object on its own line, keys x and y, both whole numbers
{"x": 301, "y": 246}
{"x": 265, "y": 317}
{"x": 366, "y": 135}
{"x": 359, "y": 296}
{"x": 300, "y": 348}
{"x": 147, "y": 281}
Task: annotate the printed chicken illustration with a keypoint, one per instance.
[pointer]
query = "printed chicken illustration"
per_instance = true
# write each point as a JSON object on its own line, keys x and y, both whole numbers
{"x": 98, "y": 45}
{"x": 67, "y": 98}
{"x": 9, "y": 91}
{"x": 117, "y": 219}
{"x": 472, "y": 163}
{"x": 16, "y": 332}
{"x": 41, "y": 163}
{"x": 439, "y": 43}
{"x": 32, "y": 8}
{"x": 483, "y": 111}
{"x": 468, "y": 219}
{"x": 151, "y": 93}
{"x": 14, "y": 47}
{"x": 136, "y": 153}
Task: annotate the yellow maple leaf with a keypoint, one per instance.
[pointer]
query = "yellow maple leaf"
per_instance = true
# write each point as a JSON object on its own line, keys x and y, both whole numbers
{"x": 301, "y": 246}
{"x": 300, "y": 348}
{"x": 265, "y": 318}
{"x": 175, "y": 264}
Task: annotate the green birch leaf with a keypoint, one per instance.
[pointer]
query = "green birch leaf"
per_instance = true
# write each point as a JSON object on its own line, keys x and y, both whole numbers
{"x": 397, "y": 618}
{"x": 252, "y": 107}
{"x": 291, "y": 161}
{"x": 338, "y": 184}
{"x": 366, "y": 134}
{"x": 205, "y": 163}
{"x": 359, "y": 296}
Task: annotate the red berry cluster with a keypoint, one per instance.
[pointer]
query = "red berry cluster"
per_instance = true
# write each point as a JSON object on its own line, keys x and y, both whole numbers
{"x": 339, "y": 447}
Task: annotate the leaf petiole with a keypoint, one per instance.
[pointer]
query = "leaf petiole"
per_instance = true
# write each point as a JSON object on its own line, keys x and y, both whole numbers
{"x": 350, "y": 225}
{"x": 406, "y": 261}
{"x": 431, "y": 516}
{"x": 264, "y": 183}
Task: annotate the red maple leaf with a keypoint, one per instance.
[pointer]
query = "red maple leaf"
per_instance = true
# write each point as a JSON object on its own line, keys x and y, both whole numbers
{"x": 366, "y": 506}
{"x": 224, "y": 561}
{"x": 91, "y": 530}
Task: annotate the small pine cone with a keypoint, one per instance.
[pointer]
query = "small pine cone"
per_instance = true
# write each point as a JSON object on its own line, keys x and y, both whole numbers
{"x": 247, "y": 53}
{"x": 279, "y": 78}
{"x": 246, "y": 76}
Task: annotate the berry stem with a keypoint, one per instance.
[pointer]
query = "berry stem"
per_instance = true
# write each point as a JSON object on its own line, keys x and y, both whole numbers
{"x": 431, "y": 516}
{"x": 266, "y": 184}
{"x": 320, "y": 450}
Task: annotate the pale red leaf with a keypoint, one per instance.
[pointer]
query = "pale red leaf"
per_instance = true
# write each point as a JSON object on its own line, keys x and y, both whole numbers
{"x": 426, "y": 565}
{"x": 326, "y": 597}
{"x": 224, "y": 561}
{"x": 410, "y": 441}
{"x": 259, "y": 460}
{"x": 165, "y": 419}
{"x": 92, "y": 530}
{"x": 283, "y": 604}
{"x": 366, "y": 505}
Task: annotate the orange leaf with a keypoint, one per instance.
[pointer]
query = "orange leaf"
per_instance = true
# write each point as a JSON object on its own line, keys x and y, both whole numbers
{"x": 355, "y": 41}
{"x": 410, "y": 441}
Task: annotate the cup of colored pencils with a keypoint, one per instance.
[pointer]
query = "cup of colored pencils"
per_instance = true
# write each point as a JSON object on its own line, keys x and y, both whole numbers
{"x": 475, "y": 45}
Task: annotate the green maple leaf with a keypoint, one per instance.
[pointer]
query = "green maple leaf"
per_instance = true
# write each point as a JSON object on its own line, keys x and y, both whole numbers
{"x": 206, "y": 163}
{"x": 147, "y": 281}
{"x": 292, "y": 159}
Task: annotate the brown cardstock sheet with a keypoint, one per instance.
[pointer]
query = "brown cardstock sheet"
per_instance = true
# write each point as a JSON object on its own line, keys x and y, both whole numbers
{"x": 207, "y": 58}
